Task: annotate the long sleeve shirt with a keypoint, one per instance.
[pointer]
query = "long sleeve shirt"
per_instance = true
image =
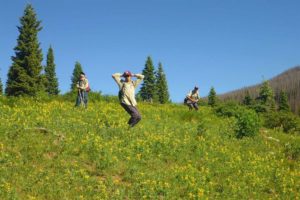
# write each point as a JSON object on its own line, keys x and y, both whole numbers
{"x": 128, "y": 88}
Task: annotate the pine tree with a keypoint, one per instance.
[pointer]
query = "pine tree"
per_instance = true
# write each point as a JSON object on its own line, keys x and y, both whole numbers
{"x": 148, "y": 90}
{"x": 24, "y": 76}
{"x": 162, "y": 85}
{"x": 247, "y": 100}
{"x": 50, "y": 74}
{"x": 283, "y": 102}
{"x": 266, "y": 96}
{"x": 75, "y": 76}
{"x": 212, "y": 97}
{"x": 1, "y": 87}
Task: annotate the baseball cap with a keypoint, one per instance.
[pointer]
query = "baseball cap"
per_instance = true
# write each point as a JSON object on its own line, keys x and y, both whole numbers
{"x": 127, "y": 73}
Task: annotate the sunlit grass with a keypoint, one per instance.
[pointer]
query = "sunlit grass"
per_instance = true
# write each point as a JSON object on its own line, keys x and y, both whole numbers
{"x": 55, "y": 151}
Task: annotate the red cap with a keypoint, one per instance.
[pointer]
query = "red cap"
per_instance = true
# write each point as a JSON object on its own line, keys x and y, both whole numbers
{"x": 127, "y": 73}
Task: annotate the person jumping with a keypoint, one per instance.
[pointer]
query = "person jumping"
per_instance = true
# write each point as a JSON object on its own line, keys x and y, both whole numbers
{"x": 127, "y": 94}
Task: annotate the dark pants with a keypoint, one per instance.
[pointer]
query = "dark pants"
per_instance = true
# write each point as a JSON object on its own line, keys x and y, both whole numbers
{"x": 193, "y": 106}
{"x": 134, "y": 113}
{"x": 82, "y": 98}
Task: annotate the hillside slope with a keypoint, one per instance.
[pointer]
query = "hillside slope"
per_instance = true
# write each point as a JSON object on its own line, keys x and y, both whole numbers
{"x": 288, "y": 81}
{"x": 50, "y": 150}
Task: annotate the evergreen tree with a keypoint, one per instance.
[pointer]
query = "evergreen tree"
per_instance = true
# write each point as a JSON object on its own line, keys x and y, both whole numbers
{"x": 247, "y": 100}
{"x": 283, "y": 102}
{"x": 75, "y": 76}
{"x": 212, "y": 97}
{"x": 162, "y": 85}
{"x": 148, "y": 90}
{"x": 24, "y": 76}
{"x": 1, "y": 87}
{"x": 266, "y": 96}
{"x": 50, "y": 74}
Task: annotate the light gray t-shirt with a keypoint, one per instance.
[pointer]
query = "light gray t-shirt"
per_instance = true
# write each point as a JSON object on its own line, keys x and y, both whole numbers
{"x": 128, "y": 88}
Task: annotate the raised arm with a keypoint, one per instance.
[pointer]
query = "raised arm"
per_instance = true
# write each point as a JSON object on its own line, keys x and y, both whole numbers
{"x": 117, "y": 78}
{"x": 140, "y": 78}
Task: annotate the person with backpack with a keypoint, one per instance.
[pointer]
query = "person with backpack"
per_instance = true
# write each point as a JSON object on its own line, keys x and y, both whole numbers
{"x": 192, "y": 98}
{"x": 127, "y": 88}
{"x": 83, "y": 89}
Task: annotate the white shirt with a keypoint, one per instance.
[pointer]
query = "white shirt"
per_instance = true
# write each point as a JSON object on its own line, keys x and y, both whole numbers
{"x": 128, "y": 88}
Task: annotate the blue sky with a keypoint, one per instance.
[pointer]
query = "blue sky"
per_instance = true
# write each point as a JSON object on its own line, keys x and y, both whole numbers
{"x": 227, "y": 44}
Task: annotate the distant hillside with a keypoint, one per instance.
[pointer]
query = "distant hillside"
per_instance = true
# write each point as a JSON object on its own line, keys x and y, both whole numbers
{"x": 288, "y": 81}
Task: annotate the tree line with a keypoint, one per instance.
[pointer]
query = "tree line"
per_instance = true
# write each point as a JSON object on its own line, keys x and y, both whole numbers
{"x": 287, "y": 82}
{"x": 264, "y": 102}
{"x": 27, "y": 76}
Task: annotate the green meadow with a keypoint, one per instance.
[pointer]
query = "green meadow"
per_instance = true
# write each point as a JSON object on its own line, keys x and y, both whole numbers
{"x": 51, "y": 150}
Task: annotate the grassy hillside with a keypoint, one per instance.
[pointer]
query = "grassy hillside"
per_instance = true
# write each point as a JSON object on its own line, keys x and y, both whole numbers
{"x": 288, "y": 81}
{"x": 51, "y": 150}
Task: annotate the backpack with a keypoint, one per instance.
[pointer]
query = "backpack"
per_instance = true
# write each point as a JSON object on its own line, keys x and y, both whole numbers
{"x": 88, "y": 89}
{"x": 185, "y": 100}
{"x": 120, "y": 94}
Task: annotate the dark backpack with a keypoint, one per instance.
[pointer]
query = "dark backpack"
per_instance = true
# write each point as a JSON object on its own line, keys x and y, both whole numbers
{"x": 120, "y": 94}
{"x": 185, "y": 100}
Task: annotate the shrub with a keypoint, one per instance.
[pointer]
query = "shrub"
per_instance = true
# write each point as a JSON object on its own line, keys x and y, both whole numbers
{"x": 247, "y": 121}
{"x": 247, "y": 124}
{"x": 292, "y": 149}
{"x": 286, "y": 120}
{"x": 272, "y": 120}
{"x": 290, "y": 123}
{"x": 259, "y": 108}
{"x": 229, "y": 109}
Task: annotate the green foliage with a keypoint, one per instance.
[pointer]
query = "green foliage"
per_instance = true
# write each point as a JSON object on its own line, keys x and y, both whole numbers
{"x": 266, "y": 97}
{"x": 285, "y": 120}
{"x": 248, "y": 123}
{"x": 24, "y": 76}
{"x": 248, "y": 101}
{"x": 148, "y": 90}
{"x": 259, "y": 108}
{"x": 75, "y": 75}
{"x": 228, "y": 109}
{"x": 292, "y": 149}
{"x": 91, "y": 154}
{"x": 212, "y": 97}
{"x": 50, "y": 74}
{"x": 93, "y": 97}
{"x": 162, "y": 86}
{"x": 201, "y": 129}
{"x": 283, "y": 102}
{"x": 1, "y": 87}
